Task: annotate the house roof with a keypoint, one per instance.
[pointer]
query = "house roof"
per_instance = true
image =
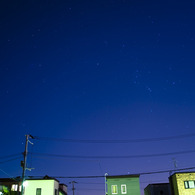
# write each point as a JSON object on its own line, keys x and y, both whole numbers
{"x": 63, "y": 184}
{"x": 181, "y": 173}
{"x": 16, "y": 179}
{"x": 153, "y": 184}
{"x": 122, "y": 176}
{"x": 157, "y": 184}
{"x": 46, "y": 177}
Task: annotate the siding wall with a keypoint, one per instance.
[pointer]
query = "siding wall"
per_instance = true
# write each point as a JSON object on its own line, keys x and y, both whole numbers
{"x": 133, "y": 186}
{"x": 47, "y": 187}
{"x": 178, "y": 183}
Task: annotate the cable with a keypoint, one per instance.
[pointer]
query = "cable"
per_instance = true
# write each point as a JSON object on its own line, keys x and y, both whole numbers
{"x": 116, "y": 141}
{"x": 113, "y": 157}
{"x": 101, "y": 176}
{"x": 90, "y": 183}
{"x": 86, "y": 189}
{"x": 9, "y": 160}
{"x": 12, "y": 155}
{"x": 11, "y": 177}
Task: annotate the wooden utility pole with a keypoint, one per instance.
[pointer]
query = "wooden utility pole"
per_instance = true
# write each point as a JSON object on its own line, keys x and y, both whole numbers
{"x": 23, "y": 163}
{"x": 73, "y": 188}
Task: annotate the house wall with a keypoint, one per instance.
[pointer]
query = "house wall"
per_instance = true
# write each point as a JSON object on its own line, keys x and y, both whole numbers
{"x": 47, "y": 187}
{"x": 178, "y": 183}
{"x": 8, "y": 185}
{"x": 148, "y": 190}
{"x": 63, "y": 189}
{"x": 154, "y": 189}
{"x": 56, "y": 186}
{"x": 133, "y": 186}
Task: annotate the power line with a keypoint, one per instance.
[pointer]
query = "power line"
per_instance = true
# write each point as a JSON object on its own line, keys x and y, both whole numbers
{"x": 9, "y": 160}
{"x": 91, "y": 183}
{"x": 71, "y": 159}
{"x": 87, "y": 189}
{"x": 11, "y": 177}
{"x": 113, "y": 157}
{"x": 102, "y": 176}
{"x": 11, "y": 155}
{"x": 115, "y": 141}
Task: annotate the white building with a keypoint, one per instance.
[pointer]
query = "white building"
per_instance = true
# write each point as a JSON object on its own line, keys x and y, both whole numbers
{"x": 41, "y": 186}
{"x": 44, "y": 186}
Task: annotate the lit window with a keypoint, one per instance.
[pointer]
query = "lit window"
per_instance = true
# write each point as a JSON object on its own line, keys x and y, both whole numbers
{"x": 114, "y": 189}
{"x": 123, "y": 189}
{"x": 14, "y": 187}
{"x": 189, "y": 184}
{"x": 38, "y": 191}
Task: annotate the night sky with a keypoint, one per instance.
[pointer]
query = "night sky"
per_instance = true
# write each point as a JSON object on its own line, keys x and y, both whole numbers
{"x": 97, "y": 70}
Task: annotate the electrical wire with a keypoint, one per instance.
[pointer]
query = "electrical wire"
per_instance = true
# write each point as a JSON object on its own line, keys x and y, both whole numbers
{"x": 116, "y": 141}
{"x": 90, "y": 183}
{"x": 101, "y": 176}
{"x": 9, "y": 160}
{"x": 87, "y": 189}
{"x": 11, "y": 177}
{"x": 113, "y": 157}
{"x": 12, "y": 155}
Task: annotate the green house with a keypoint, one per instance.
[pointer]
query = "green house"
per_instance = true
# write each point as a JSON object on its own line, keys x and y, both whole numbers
{"x": 122, "y": 185}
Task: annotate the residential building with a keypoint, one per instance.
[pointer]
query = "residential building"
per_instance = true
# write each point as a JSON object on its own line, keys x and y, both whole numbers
{"x": 158, "y": 189}
{"x": 32, "y": 186}
{"x": 63, "y": 189}
{"x": 43, "y": 186}
{"x": 182, "y": 183}
{"x": 11, "y": 186}
{"x": 123, "y": 185}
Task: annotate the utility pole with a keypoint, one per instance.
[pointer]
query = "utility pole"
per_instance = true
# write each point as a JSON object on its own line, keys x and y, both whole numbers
{"x": 23, "y": 163}
{"x": 73, "y": 188}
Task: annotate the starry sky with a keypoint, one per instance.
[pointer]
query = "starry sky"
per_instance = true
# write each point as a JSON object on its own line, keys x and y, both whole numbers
{"x": 97, "y": 70}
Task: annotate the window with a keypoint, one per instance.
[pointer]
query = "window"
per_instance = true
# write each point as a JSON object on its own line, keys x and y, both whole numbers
{"x": 114, "y": 189}
{"x": 56, "y": 192}
{"x": 38, "y": 191}
{"x": 189, "y": 184}
{"x": 14, "y": 187}
{"x": 123, "y": 189}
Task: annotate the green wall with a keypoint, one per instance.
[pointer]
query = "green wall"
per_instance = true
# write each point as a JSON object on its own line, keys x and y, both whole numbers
{"x": 132, "y": 184}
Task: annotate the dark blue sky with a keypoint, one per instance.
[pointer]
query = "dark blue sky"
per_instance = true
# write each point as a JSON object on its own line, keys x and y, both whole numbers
{"x": 97, "y": 70}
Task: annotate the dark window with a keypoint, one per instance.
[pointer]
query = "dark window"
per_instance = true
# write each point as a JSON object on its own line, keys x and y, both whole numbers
{"x": 38, "y": 191}
{"x": 56, "y": 192}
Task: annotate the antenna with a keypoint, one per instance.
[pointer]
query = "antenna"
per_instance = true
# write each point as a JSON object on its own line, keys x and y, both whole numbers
{"x": 174, "y": 161}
